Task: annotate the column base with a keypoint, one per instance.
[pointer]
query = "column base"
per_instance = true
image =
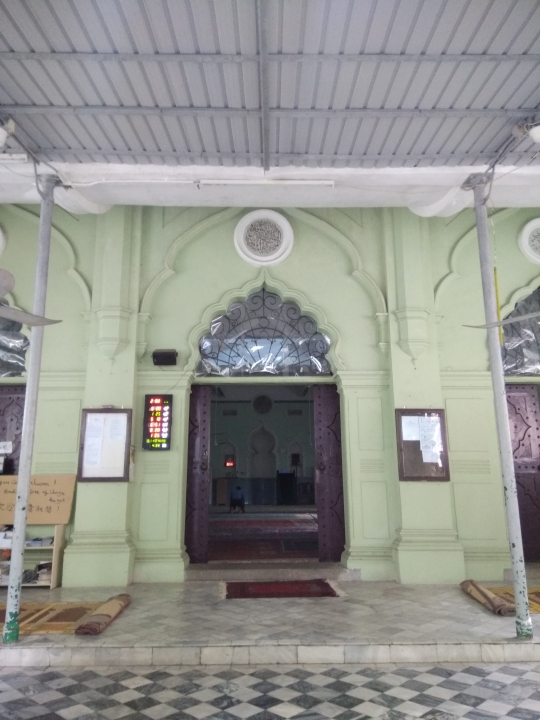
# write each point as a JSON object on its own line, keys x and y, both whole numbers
{"x": 375, "y": 563}
{"x": 99, "y": 560}
{"x": 160, "y": 566}
{"x": 429, "y": 558}
{"x": 487, "y": 563}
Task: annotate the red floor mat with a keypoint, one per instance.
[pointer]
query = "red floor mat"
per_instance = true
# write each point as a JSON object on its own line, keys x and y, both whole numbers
{"x": 280, "y": 589}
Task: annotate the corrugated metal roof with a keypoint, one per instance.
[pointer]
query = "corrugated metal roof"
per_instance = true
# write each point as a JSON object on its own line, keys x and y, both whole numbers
{"x": 179, "y": 81}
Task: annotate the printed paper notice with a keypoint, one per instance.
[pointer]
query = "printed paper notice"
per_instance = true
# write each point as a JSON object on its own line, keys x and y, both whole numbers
{"x": 93, "y": 441}
{"x": 105, "y": 441}
{"x": 430, "y": 439}
{"x": 410, "y": 430}
{"x": 116, "y": 426}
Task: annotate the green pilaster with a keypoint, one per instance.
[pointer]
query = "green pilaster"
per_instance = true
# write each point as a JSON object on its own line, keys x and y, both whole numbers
{"x": 426, "y": 548}
{"x": 101, "y": 550}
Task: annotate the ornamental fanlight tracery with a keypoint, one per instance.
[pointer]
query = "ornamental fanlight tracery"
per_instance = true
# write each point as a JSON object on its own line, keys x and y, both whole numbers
{"x": 264, "y": 336}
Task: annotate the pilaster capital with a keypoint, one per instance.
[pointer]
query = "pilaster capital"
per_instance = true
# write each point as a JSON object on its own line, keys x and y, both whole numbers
{"x": 382, "y": 320}
{"x": 143, "y": 320}
{"x": 112, "y": 336}
{"x": 413, "y": 330}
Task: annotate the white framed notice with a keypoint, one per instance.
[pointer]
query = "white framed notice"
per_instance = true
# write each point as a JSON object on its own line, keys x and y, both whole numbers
{"x": 105, "y": 444}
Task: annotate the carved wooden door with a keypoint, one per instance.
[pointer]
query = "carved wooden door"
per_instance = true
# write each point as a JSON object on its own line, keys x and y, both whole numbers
{"x": 198, "y": 475}
{"x": 11, "y": 420}
{"x": 524, "y": 416}
{"x": 328, "y": 473}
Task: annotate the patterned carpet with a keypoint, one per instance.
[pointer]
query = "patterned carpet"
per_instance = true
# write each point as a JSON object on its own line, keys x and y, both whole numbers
{"x": 265, "y": 536}
{"x": 477, "y": 692}
{"x": 50, "y": 618}
{"x": 262, "y": 525}
{"x": 508, "y": 594}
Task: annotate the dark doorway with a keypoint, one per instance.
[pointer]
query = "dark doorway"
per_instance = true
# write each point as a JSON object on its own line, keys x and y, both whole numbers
{"x": 277, "y": 448}
{"x": 11, "y": 421}
{"x": 524, "y": 417}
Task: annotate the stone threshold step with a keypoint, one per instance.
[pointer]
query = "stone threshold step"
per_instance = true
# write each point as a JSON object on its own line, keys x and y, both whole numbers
{"x": 267, "y": 571}
{"x": 373, "y": 654}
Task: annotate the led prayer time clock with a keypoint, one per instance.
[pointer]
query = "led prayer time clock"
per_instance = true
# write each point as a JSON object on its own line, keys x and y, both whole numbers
{"x": 157, "y": 422}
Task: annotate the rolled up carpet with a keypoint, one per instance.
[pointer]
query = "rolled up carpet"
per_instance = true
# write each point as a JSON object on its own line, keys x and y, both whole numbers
{"x": 95, "y": 623}
{"x": 497, "y": 605}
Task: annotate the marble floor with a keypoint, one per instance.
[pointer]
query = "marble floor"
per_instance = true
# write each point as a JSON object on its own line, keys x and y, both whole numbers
{"x": 391, "y": 692}
{"x": 196, "y": 613}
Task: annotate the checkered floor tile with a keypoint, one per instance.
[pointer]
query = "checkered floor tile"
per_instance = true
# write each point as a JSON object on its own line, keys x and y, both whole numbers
{"x": 436, "y": 692}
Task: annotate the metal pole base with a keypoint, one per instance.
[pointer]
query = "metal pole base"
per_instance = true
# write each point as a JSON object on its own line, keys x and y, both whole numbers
{"x": 524, "y": 629}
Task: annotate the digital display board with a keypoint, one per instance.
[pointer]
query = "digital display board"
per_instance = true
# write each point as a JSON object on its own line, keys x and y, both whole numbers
{"x": 157, "y": 422}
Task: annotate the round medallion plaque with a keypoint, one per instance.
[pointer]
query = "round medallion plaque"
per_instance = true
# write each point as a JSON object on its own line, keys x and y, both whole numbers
{"x": 263, "y": 237}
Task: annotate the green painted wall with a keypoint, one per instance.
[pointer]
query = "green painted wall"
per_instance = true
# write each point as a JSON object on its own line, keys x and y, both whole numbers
{"x": 392, "y": 291}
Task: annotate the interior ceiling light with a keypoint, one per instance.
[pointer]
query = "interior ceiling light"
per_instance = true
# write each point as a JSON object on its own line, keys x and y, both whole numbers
{"x": 7, "y": 129}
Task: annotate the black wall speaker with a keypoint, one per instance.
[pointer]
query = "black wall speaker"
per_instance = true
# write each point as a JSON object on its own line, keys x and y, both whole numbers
{"x": 164, "y": 357}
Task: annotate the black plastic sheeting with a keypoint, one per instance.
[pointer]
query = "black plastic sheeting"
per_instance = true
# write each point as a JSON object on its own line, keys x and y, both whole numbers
{"x": 13, "y": 347}
{"x": 263, "y": 336}
{"x": 521, "y": 350}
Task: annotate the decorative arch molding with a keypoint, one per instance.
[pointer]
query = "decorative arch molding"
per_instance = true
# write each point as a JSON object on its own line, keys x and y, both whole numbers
{"x": 177, "y": 246}
{"x": 68, "y": 249}
{"x": 363, "y": 278}
{"x": 458, "y": 249}
{"x": 347, "y": 247}
{"x": 519, "y": 295}
{"x": 264, "y": 279}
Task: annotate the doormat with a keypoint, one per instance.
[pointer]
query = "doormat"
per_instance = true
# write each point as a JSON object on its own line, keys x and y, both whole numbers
{"x": 280, "y": 589}
{"x": 500, "y": 600}
{"x": 67, "y": 618}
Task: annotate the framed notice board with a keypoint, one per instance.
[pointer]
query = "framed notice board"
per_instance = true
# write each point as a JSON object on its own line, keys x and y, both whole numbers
{"x": 105, "y": 445}
{"x": 422, "y": 446}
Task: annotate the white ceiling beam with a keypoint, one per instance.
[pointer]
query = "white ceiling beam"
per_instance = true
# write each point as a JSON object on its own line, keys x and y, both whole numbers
{"x": 313, "y": 114}
{"x": 263, "y": 82}
{"x": 6, "y": 56}
{"x": 46, "y": 153}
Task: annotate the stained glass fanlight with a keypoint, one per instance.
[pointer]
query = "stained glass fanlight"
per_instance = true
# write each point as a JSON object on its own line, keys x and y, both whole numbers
{"x": 264, "y": 336}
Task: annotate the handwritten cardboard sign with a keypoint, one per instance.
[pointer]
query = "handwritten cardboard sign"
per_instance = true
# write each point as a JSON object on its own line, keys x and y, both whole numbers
{"x": 51, "y": 498}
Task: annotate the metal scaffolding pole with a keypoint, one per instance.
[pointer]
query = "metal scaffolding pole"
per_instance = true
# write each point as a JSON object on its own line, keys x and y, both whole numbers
{"x": 523, "y": 619}
{"x": 11, "y": 626}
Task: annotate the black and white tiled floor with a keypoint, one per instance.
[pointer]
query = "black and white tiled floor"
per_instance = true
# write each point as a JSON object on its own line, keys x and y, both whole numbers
{"x": 434, "y": 692}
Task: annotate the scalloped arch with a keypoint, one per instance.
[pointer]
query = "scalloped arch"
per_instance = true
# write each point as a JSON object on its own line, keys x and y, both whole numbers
{"x": 263, "y": 279}
{"x": 66, "y": 245}
{"x": 362, "y": 277}
{"x": 519, "y": 295}
{"x": 458, "y": 249}
{"x": 358, "y": 273}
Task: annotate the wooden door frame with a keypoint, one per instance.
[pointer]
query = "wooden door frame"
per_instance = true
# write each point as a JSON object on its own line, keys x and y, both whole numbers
{"x": 311, "y": 380}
